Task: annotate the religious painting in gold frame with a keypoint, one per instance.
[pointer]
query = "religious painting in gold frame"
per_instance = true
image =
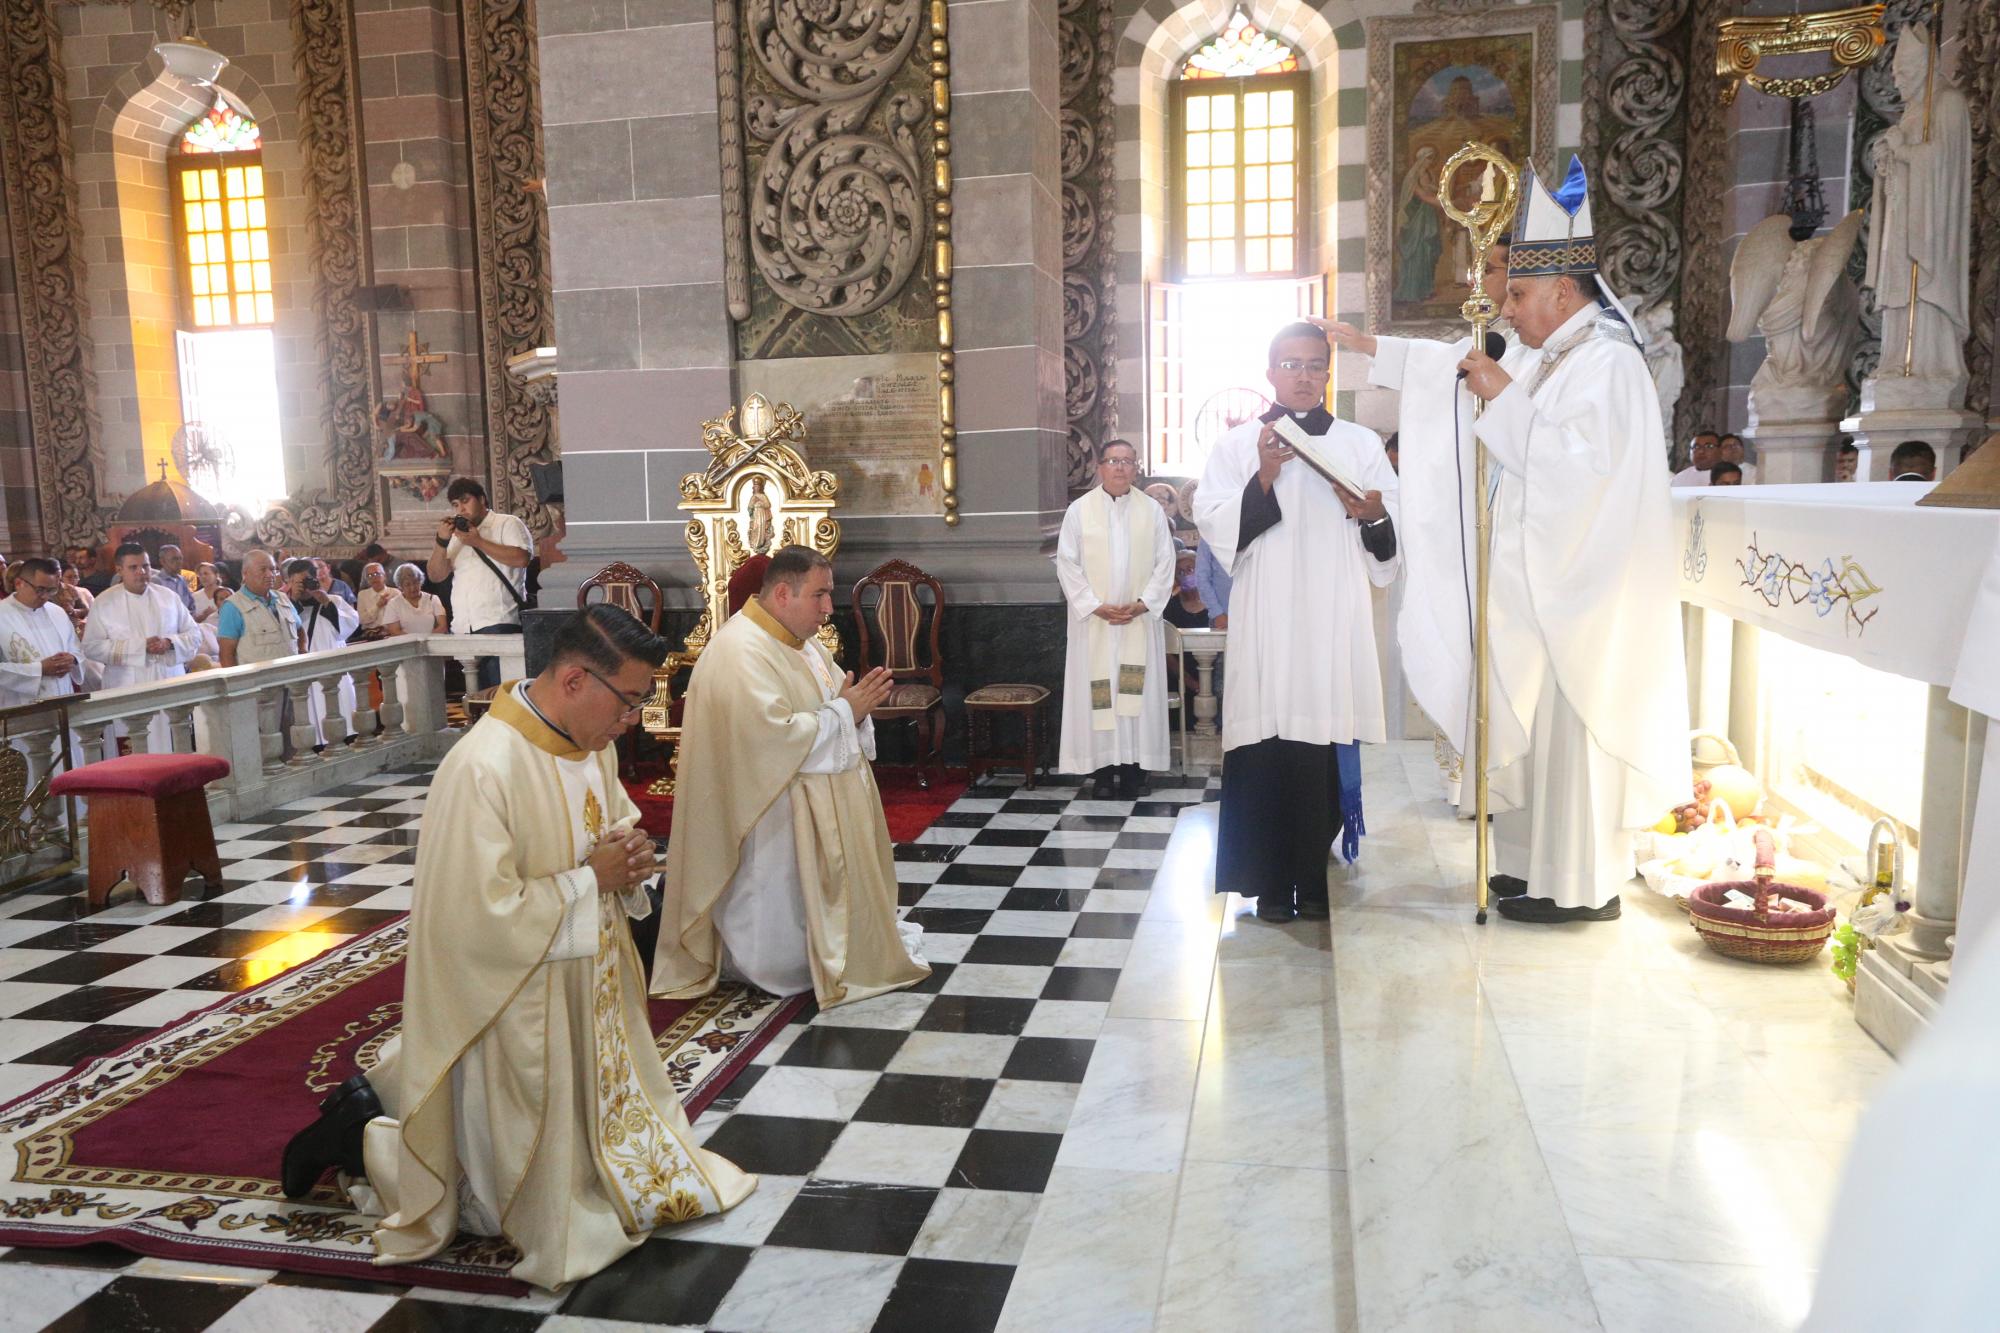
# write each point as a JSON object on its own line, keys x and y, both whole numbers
{"x": 1436, "y": 83}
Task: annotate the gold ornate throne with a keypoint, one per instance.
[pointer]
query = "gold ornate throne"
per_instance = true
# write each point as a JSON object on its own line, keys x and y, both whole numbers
{"x": 757, "y": 494}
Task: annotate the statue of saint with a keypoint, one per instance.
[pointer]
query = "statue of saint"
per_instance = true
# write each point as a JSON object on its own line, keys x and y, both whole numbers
{"x": 408, "y": 429}
{"x": 1919, "y": 217}
{"x": 1798, "y": 296}
{"x": 1664, "y": 360}
{"x": 760, "y": 518}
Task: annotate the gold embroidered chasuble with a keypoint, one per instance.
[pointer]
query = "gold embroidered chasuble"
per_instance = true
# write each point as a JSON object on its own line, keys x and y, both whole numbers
{"x": 525, "y": 1089}
{"x": 750, "y": 720}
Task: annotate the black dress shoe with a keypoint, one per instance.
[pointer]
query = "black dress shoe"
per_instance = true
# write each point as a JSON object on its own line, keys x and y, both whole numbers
{"x": 1276, "y": 908}
{"x": 1131, "y": 782}
{"x": 1506, "y": 886}
{"x": 1314, "y": 907}
{"x": 333, "y": 1140}
{"x": 1544, "y": 912}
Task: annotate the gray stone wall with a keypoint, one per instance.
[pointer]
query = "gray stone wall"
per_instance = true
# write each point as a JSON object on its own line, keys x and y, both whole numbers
{"x": 20, "y": 527}
{"x": 635, "y": 218}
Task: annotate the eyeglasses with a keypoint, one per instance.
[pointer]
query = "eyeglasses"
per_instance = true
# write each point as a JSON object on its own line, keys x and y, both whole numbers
{"x": 630, "y": 706}
{"x": 1121, "y": 462}
{"x": 1295, "y": 367}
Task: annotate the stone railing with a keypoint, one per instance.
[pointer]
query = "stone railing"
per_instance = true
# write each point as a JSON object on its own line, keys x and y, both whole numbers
{"x": 240, "y": 714}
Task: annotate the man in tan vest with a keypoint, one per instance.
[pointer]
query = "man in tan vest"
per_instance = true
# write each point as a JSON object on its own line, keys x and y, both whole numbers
{"x": 256, "y": 623}
{"x": 779, "y": 870}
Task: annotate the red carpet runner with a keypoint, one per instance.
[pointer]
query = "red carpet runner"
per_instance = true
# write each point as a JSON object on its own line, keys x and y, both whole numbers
{"x": 909, "y": 809}
{"x": 171, "y": 1146}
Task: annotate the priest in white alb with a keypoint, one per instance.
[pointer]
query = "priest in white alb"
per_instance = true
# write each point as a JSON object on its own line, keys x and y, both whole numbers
{"x": 1589, "y": 697}
{"x": 524, "y": 1096}
{"x": 325, "y": 621}
{"x": 1115, "y": 561}
{"x": 140, "y": 632}
{"x": 1304, "y": 678}
{"x": 779, "y": 869}
{"x": 40, "y": 657}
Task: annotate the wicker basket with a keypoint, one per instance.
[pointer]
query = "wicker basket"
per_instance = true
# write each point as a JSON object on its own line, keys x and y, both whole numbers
{"x": 1757, "y": 934}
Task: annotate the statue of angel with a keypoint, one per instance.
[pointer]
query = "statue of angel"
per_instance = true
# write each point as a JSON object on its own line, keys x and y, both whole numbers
{"x": 1663, "y": 357}
{"x": 1798, "y": 295}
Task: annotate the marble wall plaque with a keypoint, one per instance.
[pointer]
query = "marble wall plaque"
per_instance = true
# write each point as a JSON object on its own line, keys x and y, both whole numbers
{"x": 873, "y": 421}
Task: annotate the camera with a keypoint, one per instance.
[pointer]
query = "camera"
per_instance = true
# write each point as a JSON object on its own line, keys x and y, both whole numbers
{"x": 311, "y": 583}
{"x": 461, "y": 522}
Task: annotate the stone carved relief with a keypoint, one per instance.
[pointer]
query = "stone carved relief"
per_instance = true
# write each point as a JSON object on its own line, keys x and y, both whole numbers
{"x": 510, "y": 223}
{"x": 42, "y": 212}
{"x": 343, "y": 514}
{"x": 1089, "y": 202}
{"x": 836, "y": 217}
{"x": 1636, "y": 63}
{"x": 1979, "y": 69}
{"x": 1704, "y": 298}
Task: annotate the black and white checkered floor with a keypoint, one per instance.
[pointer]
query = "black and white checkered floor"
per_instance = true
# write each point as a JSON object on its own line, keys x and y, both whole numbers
{"x": 903, "y": 1142}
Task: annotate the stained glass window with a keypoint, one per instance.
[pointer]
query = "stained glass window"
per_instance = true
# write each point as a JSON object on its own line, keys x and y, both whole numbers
{"x": 223, "y": 231}
{"x": 1238, "y": 211}
{"x": 223, "y": 130}
{"x": 1240, "y": 50}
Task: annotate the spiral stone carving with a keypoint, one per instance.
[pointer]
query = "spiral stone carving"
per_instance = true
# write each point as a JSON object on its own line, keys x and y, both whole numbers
{"x": 1079, "y": 222}
{"x": 1643, "y": 171}
{"x": 1079, "y": 144}
{"x": 1079, "y": 57}
{"x": 1079, "y": 307}
{"x": 836, "y": 221}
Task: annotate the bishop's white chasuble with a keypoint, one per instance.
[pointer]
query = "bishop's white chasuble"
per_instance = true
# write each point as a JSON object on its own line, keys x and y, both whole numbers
{"x": 524, "y": 1096}
{"x": 27, "y": 638}
{"x": 1589, "y": 717}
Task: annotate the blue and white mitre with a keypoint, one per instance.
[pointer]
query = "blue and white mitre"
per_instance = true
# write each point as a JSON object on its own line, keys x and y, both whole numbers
{"x": 1553, "y": 236}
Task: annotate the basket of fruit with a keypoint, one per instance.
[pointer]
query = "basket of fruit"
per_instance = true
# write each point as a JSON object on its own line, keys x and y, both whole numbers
{"x": 1762, "y": 920}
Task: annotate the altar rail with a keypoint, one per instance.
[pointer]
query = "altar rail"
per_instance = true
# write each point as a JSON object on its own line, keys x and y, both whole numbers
{"x": 235, "y": 713}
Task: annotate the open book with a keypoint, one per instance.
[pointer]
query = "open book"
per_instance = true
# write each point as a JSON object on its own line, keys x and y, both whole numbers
{"x": 1309, "y": 452}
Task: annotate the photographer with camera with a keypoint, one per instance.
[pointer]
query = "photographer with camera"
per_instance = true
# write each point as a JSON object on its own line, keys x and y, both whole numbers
{"x": 325, "y": 621}
{"x": 485, "y": 555}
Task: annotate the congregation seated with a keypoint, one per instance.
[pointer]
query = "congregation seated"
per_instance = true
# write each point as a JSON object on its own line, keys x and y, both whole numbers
{"x": 408, "y": 609}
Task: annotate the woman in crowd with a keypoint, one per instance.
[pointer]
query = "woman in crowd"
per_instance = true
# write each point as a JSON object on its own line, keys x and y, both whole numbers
{"x": 411, "y": 610}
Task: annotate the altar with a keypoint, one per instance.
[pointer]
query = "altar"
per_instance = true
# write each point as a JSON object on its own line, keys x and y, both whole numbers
{"x": 1860, "y": 570}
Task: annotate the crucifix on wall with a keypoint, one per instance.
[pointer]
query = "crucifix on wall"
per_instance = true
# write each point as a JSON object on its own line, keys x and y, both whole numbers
{"x": 409, "y": 431}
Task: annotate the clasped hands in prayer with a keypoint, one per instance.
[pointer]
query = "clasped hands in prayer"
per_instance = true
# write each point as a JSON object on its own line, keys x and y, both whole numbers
{"x": 58, "y": 664}
{"x": 158, "y": 644}
{"x": 623, "y": 858}
{"x": 1122, "y": 613}
{"x": 869, "y": 693}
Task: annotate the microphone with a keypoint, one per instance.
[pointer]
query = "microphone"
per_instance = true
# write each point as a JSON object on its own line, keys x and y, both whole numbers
{"x": 1496, "y": 347}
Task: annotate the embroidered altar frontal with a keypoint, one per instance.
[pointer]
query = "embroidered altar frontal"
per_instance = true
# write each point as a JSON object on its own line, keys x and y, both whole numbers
{"x": 171, "y": 1146}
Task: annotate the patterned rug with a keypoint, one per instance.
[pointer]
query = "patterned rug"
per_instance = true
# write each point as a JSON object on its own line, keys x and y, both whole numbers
{"x": 170, "y": 1147}
{"x": 908, "y": 808}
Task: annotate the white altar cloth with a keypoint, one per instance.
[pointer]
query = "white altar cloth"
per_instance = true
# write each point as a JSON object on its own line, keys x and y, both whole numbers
{"x": 1861, "y": 570}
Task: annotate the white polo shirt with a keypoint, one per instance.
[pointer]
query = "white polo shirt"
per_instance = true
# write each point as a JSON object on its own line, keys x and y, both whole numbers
{"x": 478, "y": 598}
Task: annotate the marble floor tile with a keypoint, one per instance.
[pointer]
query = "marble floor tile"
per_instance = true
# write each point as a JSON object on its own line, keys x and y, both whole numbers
{"x": 749, "y": 1222}
{"x": 1132, "y": 1112}
{"x": 977, "y": 1226}
{"x": 1603, "y": 1001}
{"x": 896, "y": 1010}
{"x": 33, "y": 1295}
{"x": 1096, "y": 1255}
{"x": 844, "y": 1291}
{"x": 1657, "y": 1296}
{"x": 1636, "y": 1079}
{"x": 1269, "y": 1058}
{"x": 21, "y": 1036}
{"x": 168, "y": 1006}
{"x": 808, "y": 1092}
{"x": 873, "y": 1154}
{"x": 999, "y": 979}
{"x": 1283, "y": 1271}
{"x": 1067, "y": 1018}
{"x": 952, "y": 1054}
{"x": 1090, "y": 952}
{"x": 1167, "y": 972}
{"x": 1045, "y": 925}
{"x": 1039, "y": 1106}
{"x": 1246, "y": 939}
{"x": 302, "y": 1310}
{"x": 1716, "y": 1191}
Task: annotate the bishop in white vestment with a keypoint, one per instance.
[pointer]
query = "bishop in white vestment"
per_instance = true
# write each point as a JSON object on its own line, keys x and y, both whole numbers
{"x": 1115, "y": 561}
{"x": 1303, "y": 671}
{"x": 140, "y": 632}
{"x": 780, "y": 869}
{"x": 1589, "y": 717}
{"x": 524, "y": 1096}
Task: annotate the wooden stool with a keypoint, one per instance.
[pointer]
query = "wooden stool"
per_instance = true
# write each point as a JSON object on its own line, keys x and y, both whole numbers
{"x": 147, "y": 819}
{"x": 1026, "y": 701}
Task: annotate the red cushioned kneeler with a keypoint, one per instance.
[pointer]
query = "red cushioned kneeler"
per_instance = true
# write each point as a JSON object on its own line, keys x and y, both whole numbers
{"x": 147, "y": 818}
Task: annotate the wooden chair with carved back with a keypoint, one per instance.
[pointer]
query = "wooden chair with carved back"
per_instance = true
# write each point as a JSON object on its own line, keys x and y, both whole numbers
{"x": 889, "y": 597}
{"x": 627, "y": 588}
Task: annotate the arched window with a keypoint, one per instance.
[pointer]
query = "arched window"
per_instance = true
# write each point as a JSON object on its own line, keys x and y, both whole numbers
{"x": 1239, "y": 136}
{"x": 225, "y": 244}
{"x": 226, "y": 345}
